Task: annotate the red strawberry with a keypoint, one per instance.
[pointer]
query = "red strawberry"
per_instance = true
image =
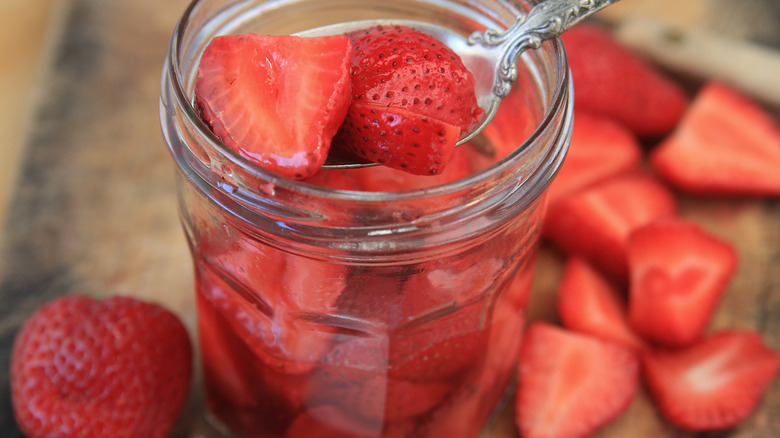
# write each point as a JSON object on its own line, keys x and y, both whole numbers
{"x": 588, "y": 303}
{"x": 83, "y": 367}
{"x": 600, "y": 148}
{"x": 399, "y": 138}
{"x": 415, "y": 77}
{"x": 276, "y": 100}
{"x": 611, "y": 80}
{"x": 725, "y": 144}
{"x": 571, "y": 384}
{"x": 714, "y": 384}
{"x": 678, "y": 274}
{"x": 595, "y": 223}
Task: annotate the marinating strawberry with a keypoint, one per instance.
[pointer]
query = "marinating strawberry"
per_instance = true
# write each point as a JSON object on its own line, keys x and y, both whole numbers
{"x": 426, "y": 92}
{"x": 275, "y": 100}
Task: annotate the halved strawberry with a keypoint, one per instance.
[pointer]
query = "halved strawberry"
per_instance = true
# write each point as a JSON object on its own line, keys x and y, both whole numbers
{"x": 588, "y": 303}
{"x": 713, "y": 384}
{"x": 678, "y": 274}
{"x": 397, "y": 66}
{"x": 600, "y": 148}
{"x": 611, "y": 80}
{"x": 594, "y": 223}
{"x": 571, "y": 384}
{"x": 725, "y": 144}
{"x": 398, "y": 138}
{"x": 420, "y": 82}
{"x": 275, "y": 100}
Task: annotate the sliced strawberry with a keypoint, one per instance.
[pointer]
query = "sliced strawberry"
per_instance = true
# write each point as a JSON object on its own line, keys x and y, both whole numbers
{"x": 713, "y": 384}
{"x": 354, "y": 375}
{"x": 612, "y": 81}
{"x": 398, "y": 138}
{"x": 570, "y": 384}
{"x": 588, "y": 303}
{"x": 387, "y": 179}
{"x": 595, "y": 223}
{"x": 725, "y": 144}
{"x": 600, "y": 148}
{"x": 397, "y": 66}
{"x": 678, "y": 275}
{"x": 412, "y": 97}
{"x": 448, "y": 344}
{"x": 328, "y": 421}
{"x": 275, "y": 100}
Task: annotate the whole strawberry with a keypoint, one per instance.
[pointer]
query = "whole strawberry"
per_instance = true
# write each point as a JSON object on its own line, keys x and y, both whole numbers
{"x": 82, "y": 367}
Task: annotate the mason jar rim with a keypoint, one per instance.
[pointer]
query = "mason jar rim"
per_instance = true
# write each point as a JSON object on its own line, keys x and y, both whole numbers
{"x": 556, "y": 103}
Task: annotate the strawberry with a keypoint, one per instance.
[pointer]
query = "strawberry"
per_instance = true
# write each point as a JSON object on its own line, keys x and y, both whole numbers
{"x": 88, "y": 368}
{"x": 571, "y": 384}
{"x": 678, "y": 274}
{"x": 588, "y": 303}
{"x": 275, "y": 100}
{"x": 713, "y": 384}
{"x": 725, "y": 144}
{"x": 387, "y": 179}
{"x": 600, "y": 148}
{"x": 612, "y": 81}
{"x": 415, "y": 78}
{"x": 595, "y": 223}
{"x": 399, "y": 138}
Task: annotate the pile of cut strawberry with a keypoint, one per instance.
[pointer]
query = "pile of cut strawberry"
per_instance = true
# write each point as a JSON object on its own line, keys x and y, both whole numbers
{"x": 641, "y": 282}
{"x": 387, "y": 94}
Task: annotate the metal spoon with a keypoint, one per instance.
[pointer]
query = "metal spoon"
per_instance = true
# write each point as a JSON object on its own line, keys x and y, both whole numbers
{"x": 491, "y": 55}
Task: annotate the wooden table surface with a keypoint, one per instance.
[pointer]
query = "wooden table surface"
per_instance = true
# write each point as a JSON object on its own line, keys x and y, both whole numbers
{"x": 93, "y": 209}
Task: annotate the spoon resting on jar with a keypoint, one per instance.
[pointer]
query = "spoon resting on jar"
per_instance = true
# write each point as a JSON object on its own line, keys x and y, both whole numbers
{"x": 491, "y": 56}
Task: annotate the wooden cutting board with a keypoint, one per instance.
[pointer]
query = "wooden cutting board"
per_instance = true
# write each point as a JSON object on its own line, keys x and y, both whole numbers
{"x": 94, "y": 210}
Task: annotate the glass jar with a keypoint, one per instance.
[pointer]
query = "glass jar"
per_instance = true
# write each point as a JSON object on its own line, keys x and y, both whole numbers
{"x": 358, "y": 313}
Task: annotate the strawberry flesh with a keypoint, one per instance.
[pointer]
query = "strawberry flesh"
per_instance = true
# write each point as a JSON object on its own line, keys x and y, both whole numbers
{"x": 612, "y": 81}
{"x": 399, "y": 138}
{"x": 678, "y": 274}
{"x": 714, "y": 384}
{"x": 588, "y": 303}
{"x": 594, "y": 223}
{"x": 426, "y": 91}
{"x": 275, "y": 100}
{"x": 570, "y": 384}
{"x": 725, "y": 144}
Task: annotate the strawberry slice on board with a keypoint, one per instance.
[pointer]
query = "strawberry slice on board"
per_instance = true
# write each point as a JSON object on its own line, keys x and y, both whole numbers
{"x": 588, "y": 303}
{"x": 714, "y": 384}
{"x": 570, "y": 384}
{"x": 679, "y": 272}
{"x": 600, "y": 148}
{"x": 613, "y": 81}
{"x": 398, "y": 138}
{"x": 594, "y": 223}
{"x": 275, "y": 100}
{"x": 725, "y": 145}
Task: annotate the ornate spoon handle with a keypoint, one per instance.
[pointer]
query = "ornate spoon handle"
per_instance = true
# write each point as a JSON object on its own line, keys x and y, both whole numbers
{"x": 544, "y": 21}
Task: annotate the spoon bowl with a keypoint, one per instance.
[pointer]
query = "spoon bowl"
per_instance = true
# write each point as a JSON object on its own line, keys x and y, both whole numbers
{"x": 491, "y": 56}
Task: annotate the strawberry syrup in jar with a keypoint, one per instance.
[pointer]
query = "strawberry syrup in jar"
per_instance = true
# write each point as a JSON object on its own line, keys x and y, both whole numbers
{"x": 363, "y": 313}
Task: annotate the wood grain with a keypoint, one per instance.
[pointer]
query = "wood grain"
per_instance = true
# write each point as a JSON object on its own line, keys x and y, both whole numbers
{"x": 95, "y": 208}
